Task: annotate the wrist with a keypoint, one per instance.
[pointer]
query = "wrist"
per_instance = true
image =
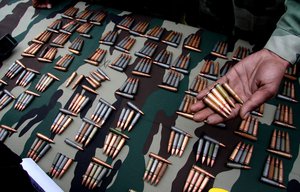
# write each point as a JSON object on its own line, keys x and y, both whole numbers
{"x": 278, "y": 58}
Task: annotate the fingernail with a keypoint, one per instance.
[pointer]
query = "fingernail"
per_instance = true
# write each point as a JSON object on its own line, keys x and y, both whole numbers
{"x": 206, "y": 121}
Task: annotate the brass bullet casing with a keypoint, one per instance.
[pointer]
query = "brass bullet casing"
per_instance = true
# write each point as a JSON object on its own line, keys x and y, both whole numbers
{"x": 214, "y": 107}
{"x": 224, "y": 93}
{"x": 233, "y": 93}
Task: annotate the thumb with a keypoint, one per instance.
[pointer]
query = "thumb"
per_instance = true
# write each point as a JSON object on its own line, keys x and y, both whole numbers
{"x": 257, "y": 99}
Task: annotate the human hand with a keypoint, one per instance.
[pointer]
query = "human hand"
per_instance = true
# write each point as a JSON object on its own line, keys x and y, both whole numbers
{"x": 255, "y": 79}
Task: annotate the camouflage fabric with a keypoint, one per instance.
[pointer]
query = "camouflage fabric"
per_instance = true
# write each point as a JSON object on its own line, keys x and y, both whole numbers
{"x": 152, "y": 131}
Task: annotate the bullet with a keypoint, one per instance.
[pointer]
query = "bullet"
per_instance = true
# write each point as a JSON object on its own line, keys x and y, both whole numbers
{"x": 232, "y": 92}
{"x": 224, "y": 93}
{"x": 214, "y": 107}
{"x": 73, "y": 144}
{"x": 249, "y": 155}
{"x": 65, "y": 167}
{"x": 199, "y": 148}
{"x": 271, "y": 182}
{"x": 237, "y": 166}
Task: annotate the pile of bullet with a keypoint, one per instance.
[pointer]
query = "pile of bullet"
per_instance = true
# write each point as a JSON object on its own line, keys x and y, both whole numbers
{"x": 39, "y": 147}
{"x": 121, "y": 62}
{"x": 60, "y": 40}
{"x": 98, "y": 17}
{"x": 287, "y": 91}
{"x": 70, "y": 13}
{"x": 129, "y": 88}
{"x": 192, "y": 42}
{"x": 43, "y": 37}
{"x": 84, "y": 15}
{"x": 60, "y": 165}
{"x": 32, "y": 50}
{"x": 84, "y": 29}
{"x": 210, "y": 70}
{"x": 62, "y": 121}
{"x": 96, "y": 57}
{"x": 163, "y": 58}
{"x": 147, "y": 50}
{"x": 219, "y": 100}
{"x": 78, "y": 102}
{"x": 280, "y": 144}
{"x": 273, "y": 172}
{"x": 125, "y": 44}
{"x": 171, "y": 80}
{"x": 248, "y": 128}
{"x": 109, "y": 38}
{"x": 6, "y": 131}
{"x": 220, "y": 49}
{"x": 143, "y": 67}
{"x": 198, "y": 84}
{"x": 240, "y": 53}
{"x": 95, "y": 173}
{"x": 24, "y": 99}
{"x": 140, "y": 28}
{"x": 47, "y": 54}
{"x": 185, "y": 105}
{"x": 45, "y": 82}
{"x": 102, "y": 112}
{"x": 64, "y": 62}
{"x": 26, "y": 77}
{"x": 181, "y": 63}
{"x": 207, "y": 150}
{"x": 129, "y": 117}
{"x": 55, "y": 26}
{"x": 155, "y": 33}
{"x": 284, "y": 116}
{"x": 178, "y": 141}
{"x": 86, "y": 131}
{"x": 173, "y": 38}
{"x": 259, "y": 111}
{"x": 6, "y": 97}
{"x": 197, "y": 179}
{"x": 114, "y": 142}
{"x": 125, "y": 23}
{"x": 76, "y": 45}
{"x": 155, "y": 169}
{"x": 241, "y": 156}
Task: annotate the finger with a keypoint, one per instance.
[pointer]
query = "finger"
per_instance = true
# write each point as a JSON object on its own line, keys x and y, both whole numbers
{"x": 203, "y": 114}
{"x": 257, "y": 99}
{"x": 197, "y": 106}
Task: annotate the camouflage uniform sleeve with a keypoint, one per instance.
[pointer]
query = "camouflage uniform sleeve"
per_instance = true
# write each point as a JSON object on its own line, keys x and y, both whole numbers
{"x": 285, "y": 40}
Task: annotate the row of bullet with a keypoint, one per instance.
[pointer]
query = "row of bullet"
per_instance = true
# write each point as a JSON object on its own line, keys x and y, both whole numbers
{"x": 178, "y": 141}
{"x": 60, "y": 165}
{"x": 287, "y": 91}
{"x": 155, "y": 33}
{"x": 84, "y": 15}
{"x": 125, "y": 44}
{"x": 78, "y": 102}
{"x": 140, "y": 28}
{"x": 39, "y": 147}
{"x": 5, "y": 131}
{"x": 55, "y": 26}
{"x": 98, "y": 17}
{"x": 147, "y": 50}
{"x": 47, "y": 54}
{"x": 163, "y": 58}
{"x": 95, "y": 173}
{"x": 155, "y": 169}
{"x": 185, "y": 105}
{"x": 284, "y": 116}
{"x": 226, "y": 67}
{"x": 70, "y": 27}
{"x": 210, "y": 70}
{"x": 31, "y": 50}
{"x": 102, "y": 112}
{"x": 109, "y": 38}
{"x": 197, "y": 180}
{"x": 43, "y": 37}
{"x": 192, "y": 42}
{"x": 96, "y": 57}
{"x": 240, "y": 53}
{"x": 45, "y": 82}
{"x": 259, "y": 111}
{"x": 114, "y": 142}
{"x": 24, "y": 99}
{"x": 121, "y": 62}
{"x": 26, "y": 77}
{"x": 84, "y": 30}
{"x": 143, "y": 67}
{"x": 171, "y": 80}
{"x": 220, "y": 49}
{"x": 198, "y": 84}
{"x": 60, "y": 40}
{"x": 291, "y": 72}
{"x": 6, "y": 97}
{"x": 62, "y": 121}
{"x": 129, "y": 88}
{"x": 76, "y": 46}
{"x": 129, "y": 117}
{"x": 241, "y": 156}
{"x": 86, "y": 132}
{"x": 70, "y": 13}
{"x": 173, "y": 38}
{"x": 273, "y": 172}
{"x": 207, "y": 150}
{"x": 125, "y": 23}
{"x": 248, "y": 128}
{"x": 182, "y": 63}
{"x": 280, "y": 143}
{"x": 64, "y": 62}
